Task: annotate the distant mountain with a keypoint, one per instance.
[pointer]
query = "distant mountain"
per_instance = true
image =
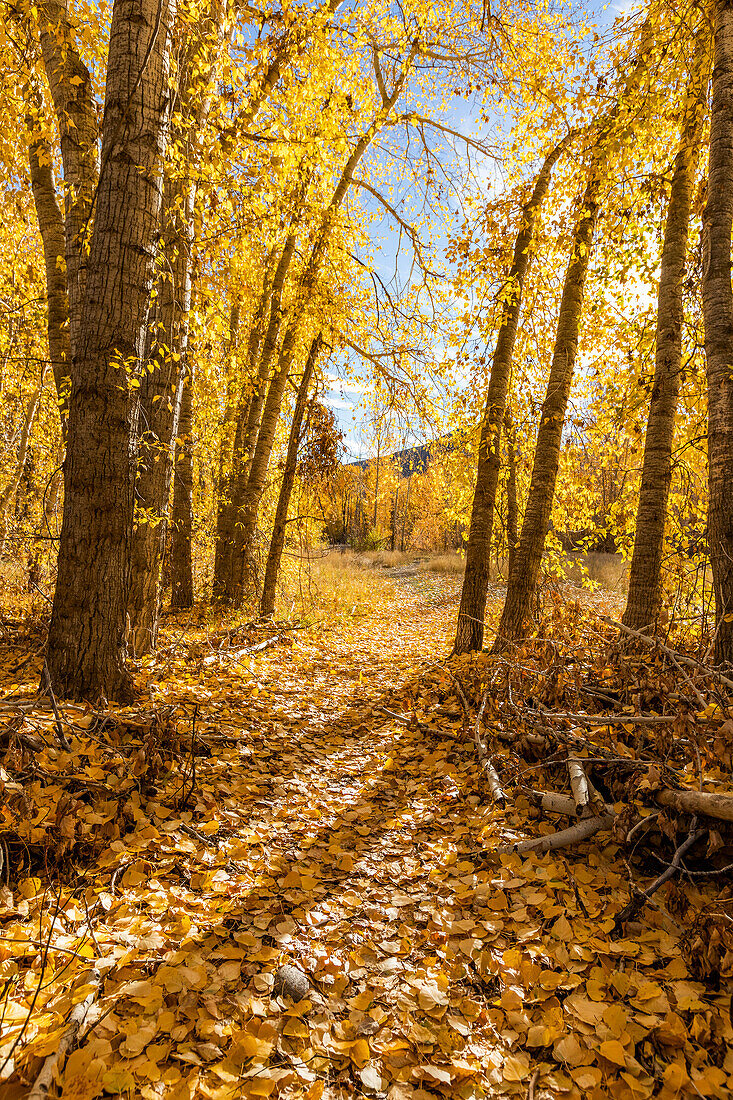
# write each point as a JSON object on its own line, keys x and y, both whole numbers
{"x": 414, "y": 460}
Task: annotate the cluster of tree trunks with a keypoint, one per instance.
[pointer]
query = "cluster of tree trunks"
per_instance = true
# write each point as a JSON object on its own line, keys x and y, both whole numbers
{"x": 119, "y": 254}
{"x": 645, "y": 596}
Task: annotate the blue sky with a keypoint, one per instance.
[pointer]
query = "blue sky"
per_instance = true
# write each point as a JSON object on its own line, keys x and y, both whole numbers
{"x": 346, "y": 397}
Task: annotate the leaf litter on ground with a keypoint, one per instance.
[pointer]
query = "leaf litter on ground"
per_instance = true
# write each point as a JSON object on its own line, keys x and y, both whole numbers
{"x": 270, "y": 810}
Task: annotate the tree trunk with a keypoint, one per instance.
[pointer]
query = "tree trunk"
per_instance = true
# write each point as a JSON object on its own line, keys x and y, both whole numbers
{"x": 526, "y": 566}
{"x": 614, "y": 126}
{"x": 160, "y": 393}
{"x": 182, "y": 526}
{"x": 645, "y": 581}
{"x": 277, "y": 542}
{"x": 71, "y": 91}
{"x": 86, "y": 640}
{"x": 7, "y": 497}
{"x": 51, "y": 227}
{"x": 512, "y": 510}
{"x": 248, "y": 425}
{"x": 718, "y": 314}
{"x": 376, "y": 481}
{"x": 233, "y": 415}
{"x": 470, "y": 627}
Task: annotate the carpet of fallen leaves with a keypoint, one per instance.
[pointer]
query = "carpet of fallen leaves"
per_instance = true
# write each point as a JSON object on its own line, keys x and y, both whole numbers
{"x": 261, "y": 808}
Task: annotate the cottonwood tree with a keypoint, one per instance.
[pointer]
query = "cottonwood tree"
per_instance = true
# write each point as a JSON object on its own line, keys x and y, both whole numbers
{"x": 86, "y": 641}
{"x": 470, "y": 628}
{"x": 524, "y": 575}
{"x": 644, "y": 599}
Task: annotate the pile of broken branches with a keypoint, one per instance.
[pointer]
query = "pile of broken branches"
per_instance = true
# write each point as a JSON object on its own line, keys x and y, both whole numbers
{"x": 633, "y": 740}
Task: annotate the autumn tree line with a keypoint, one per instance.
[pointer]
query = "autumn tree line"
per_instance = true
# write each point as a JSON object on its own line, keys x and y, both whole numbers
{"x": 188, "y": 249}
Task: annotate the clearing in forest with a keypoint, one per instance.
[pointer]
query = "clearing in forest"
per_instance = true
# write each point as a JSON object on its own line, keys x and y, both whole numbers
{"x": 316, "y": 803}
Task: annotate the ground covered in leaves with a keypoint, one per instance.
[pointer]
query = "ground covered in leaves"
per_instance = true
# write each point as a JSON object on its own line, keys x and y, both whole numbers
{"x": 315, "y": 802}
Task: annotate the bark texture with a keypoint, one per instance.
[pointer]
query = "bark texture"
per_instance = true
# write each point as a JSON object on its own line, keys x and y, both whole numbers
{"x": 86, "y": 641}
{"x": 51, "y": 226}
{"x": 645, "y": 577}
{"x": 233, "y": 459}
{"x": 718, "y": 314}
{"x": 277, "y": 542}
{"x": 7, "y": 496}
{"x": 470, "y": 627}
{"x": 512, "y": 509}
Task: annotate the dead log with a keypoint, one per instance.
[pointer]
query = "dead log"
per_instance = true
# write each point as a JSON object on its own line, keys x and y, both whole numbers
{"x": 697, "y": 802}
{"x": 581, "y": 830}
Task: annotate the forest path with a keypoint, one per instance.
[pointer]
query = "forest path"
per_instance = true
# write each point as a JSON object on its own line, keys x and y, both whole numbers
{"x": 319, "y": 831}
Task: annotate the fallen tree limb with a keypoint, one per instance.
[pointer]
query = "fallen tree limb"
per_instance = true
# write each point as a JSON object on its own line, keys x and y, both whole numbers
{"x": 235, "y": 654}
{"x": 698, "y": 802}
{"x": 654, "y": 643}
{"x": 44, "y": 1080}
{"x": 618, "y": 719}
{"x": 579, "y": 786}
{"x": 581, "y": 830}
{"x": 550, "y": 802}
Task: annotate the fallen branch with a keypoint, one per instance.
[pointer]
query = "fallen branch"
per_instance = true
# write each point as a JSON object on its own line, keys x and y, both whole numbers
{"x": 57, "y": 714}
{"x": 44, "y": 1080}
{"x": 617, "y": 719}
{"x": 579, "y": 787}
{"x": 654, "y": 643}
{"x": 639, "y": 898}
{"x": 583, "y": 829}
{"x": 235, "y": 654}
{"x": 698, "y": 802}
{"x": 486, "y": 763}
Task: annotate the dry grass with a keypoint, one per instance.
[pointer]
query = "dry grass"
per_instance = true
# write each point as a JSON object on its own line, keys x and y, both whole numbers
{"x": 444, "y": 563}
{"x": 333, "y": 585}
{"x": 607, "y": 570}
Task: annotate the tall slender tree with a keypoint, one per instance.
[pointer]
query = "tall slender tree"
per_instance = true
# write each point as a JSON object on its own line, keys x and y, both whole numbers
{"x": 470, "y": 627}
{"x": 161, "y": 382}
{"x": 277, "y": 540}
{"x": 645, "y": 577}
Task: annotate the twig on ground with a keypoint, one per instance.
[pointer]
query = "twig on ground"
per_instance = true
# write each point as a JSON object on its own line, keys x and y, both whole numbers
{"x": 532, "y": 1084}
{"x": 196, "y": 835}
{"x": 66, "y": 1043}
{"x": 639, "y": 898}
{"x": 57, "y": 713}
{"x": 182, "y": 801}
{"x": 235, "y": 654}
{"x": 487, "y": 766}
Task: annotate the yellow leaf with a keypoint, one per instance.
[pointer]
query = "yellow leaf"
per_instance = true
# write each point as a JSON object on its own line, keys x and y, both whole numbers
{"x": 614, "y": 1052}
{"x": 360, "y": 1053}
